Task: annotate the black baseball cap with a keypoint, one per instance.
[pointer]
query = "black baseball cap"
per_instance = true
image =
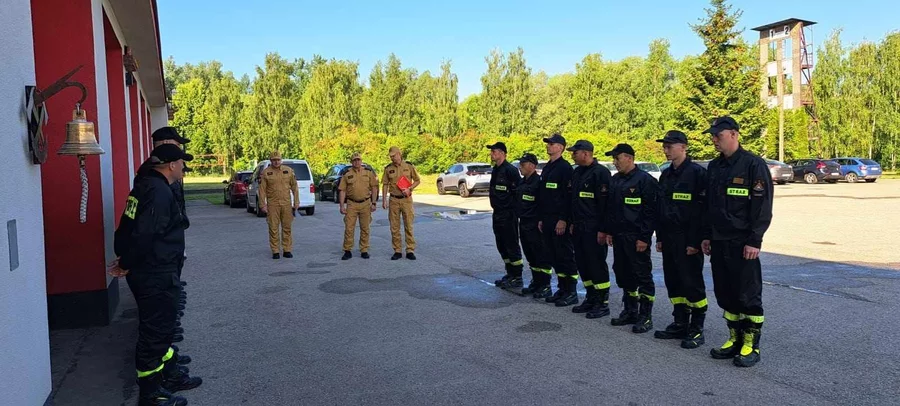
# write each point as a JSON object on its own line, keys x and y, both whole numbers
{"x": 166, "y": 153}
{"x": 621, "y": 149}
{"x": 581, "y": 145}
{"x": 498, "y": 145}
{"x": 168, "y": 133}
{"x": 528, "y": 157}
{"x": 723, "y": 123}
{"x": 674, "y": 137}
{"x": 556, "y": 139}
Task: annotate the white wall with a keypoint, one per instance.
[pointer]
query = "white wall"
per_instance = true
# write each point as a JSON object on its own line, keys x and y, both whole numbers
{"x": 159, "y": 117}
{"x": 24, "y": 335}
{"x": 103, "y": 134}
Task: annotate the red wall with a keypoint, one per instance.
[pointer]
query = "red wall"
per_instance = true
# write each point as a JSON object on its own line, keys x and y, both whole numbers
{"x": 63, "y": 39}
{"x": 115, "y": 77}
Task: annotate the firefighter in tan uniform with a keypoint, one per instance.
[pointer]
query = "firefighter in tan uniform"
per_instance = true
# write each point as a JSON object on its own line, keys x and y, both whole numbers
{"x": 359, "y": 188}
{"x": 278, "y": 182}
{"x": 400, "y": 202}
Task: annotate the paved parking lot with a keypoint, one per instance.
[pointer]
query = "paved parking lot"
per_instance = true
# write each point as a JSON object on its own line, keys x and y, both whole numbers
{"x": 317, "y": 330}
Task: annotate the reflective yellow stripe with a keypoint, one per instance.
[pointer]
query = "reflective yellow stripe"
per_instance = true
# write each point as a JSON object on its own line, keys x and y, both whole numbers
{"x": 634, "y": 294}
{"x": 697, "y": 305}
{"x": 731, "y": 316}
{"x": 632, "y": 200}
{"x": 650, "y": 298}
{"x": 528, "y": 198}
{"x": 168, "y": 356}
{"x": 562, "y": 275}
{"x": 734, "y": 191}
{"x": 600, "y": 286}
{"x": 681, "y": 196}
{"x": 550, "y": 185}
{"x": 588, "y": 284}
{"x": 589, "y": 195}
{"x": 500, "y": 188}
{"x": 516, "y": 263}
{"x": 546, "y": 271}
{"x": 131, "y": 207}
{"x": 755, "y": 319}
{"x": 678, "y": 300}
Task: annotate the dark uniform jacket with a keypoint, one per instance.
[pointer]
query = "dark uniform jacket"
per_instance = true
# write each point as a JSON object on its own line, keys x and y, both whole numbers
{"x": 150, "y": 237}
{"x": 528, "y": 194}
{"x": 632, "y": 204}
{"x": 556, "y": 183}
{"x": 682, "y": 201}
{"x": 590, "y": 191}
{"x": 177, "y": 190}
{"x": 505, "y": 181}
{"x": 739, "y": 198}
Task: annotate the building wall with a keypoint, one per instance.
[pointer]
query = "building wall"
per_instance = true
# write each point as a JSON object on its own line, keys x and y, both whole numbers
{"x": 24, "y": 336}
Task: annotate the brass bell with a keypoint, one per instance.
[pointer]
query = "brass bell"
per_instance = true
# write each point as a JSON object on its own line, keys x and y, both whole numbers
{"x": 80, "y": 138}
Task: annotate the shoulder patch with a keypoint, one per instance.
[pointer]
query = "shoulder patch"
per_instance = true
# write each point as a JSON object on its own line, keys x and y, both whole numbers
{"x": 131, "y": 207}
{"x": 284, "y": 172}
{"x": 603, "y": 188}
{"x": 270, "y": 173}
{"x": 758, "y": 186}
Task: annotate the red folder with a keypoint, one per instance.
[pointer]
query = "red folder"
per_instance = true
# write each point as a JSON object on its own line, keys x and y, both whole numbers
{"x": 404, "y": 183}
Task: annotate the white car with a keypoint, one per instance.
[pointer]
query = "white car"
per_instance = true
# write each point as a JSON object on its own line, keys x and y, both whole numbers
{"x": 650, "y": 168}
{"x": 304, "y": 183}
{"x": 466, "y": 178}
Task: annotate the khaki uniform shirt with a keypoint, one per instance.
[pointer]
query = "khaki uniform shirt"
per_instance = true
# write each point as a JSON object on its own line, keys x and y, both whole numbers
{"x": 358, "y": 184}
{"x": 392, "y": 174}
{"x": 277, "y": 184}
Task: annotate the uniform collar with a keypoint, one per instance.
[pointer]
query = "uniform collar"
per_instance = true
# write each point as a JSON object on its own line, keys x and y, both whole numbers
{"x": 680, "y": 168}
{"x": 734, "y": 157}
{"x": 630, "y": 173}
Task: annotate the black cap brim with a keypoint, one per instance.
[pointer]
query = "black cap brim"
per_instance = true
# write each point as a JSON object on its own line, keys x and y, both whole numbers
{"x": 668, "y": 140}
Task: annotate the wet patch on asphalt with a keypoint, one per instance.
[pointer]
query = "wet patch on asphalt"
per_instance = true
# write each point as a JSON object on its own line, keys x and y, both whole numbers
{"x": 268, "y": 290}
{"x": 452, "y": 288}
{"x": 538, "y": 327}
{"x": 321, "y": 264}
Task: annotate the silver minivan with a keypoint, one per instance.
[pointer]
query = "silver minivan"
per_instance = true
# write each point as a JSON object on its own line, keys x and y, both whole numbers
{"x": 304, "y": 183}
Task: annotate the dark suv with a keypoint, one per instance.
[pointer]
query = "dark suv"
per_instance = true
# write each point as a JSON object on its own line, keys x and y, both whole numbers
{"x": 328, "y": 186}
{"x": 814, "y": 170}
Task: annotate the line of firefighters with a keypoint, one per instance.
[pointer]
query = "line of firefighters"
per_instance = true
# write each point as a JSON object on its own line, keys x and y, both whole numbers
{"x": 566, "y": 219}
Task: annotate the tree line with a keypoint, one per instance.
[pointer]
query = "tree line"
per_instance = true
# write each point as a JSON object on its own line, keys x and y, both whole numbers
{"x": 323, "y": 110}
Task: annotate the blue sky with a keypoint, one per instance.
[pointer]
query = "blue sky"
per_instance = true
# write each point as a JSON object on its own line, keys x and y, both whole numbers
{"x": 555, "y": 35}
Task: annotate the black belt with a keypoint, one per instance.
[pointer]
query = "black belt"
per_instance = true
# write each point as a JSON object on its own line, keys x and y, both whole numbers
{"x": 360, "y": 201}
{"x": 398, "y": 197}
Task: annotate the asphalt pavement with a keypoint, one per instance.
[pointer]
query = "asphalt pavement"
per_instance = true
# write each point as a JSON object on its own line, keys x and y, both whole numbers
{"x": 315, "y": 330}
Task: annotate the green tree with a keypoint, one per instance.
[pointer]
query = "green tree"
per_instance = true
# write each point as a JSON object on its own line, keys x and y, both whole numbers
{"x": 389, "y": 104}
{"x": 330, "y": 101}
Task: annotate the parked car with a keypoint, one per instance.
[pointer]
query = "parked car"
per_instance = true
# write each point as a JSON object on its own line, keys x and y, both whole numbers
{"x": 236, "y": 189}
{"x": 854, "y": 169}
{"x": 540, "y": 166}
{"x": 328, "y": 185}
{"x": 816, "y": 170}
{"x": 650, "y": 168}
{"x": 781, "y": 172}
{"x": 465, "y": 178}
{"x": 304, "y": 183}
{"x": 703, "y": 163}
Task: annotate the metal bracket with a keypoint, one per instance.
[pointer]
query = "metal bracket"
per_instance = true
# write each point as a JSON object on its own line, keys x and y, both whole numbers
{"x": 36, "y": 112}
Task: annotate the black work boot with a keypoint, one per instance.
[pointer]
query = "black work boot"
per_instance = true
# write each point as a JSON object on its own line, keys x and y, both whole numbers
{"x": 174, "y": 379}
{"x": 556, "y": 295}
{"x": 276, "y": 255}
{"x": 749, "y": 353}
{"x": 183, "y": 359}
{"x": 513, "y": 282}
{"x": 396, "y": 256}
{"x": 629, "y": 314}
{"x": 733, "y": 345}
{"x": 601, "y": 307}
{"x": 645, "y": 317}
{"x": 347, "y": 255}
{"x": 152, "y": 393}
{"x": 531, "y": 288}
{"x": 588, "y": 303}
{"x": 542, "y": 292}
{"x": 501, "y": 281}
{"x": 678, "y": 328}
{"x": 287, "y": 254}
{"x": 694, "y": 337}
{"x": 568, "y": 298}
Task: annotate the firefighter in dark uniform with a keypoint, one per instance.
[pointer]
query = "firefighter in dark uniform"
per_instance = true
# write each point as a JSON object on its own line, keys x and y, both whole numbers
{"x": 504, "y": 186}
{"x": 553, "y": 203}
{"x": 149, "y": 244}
{"x": 739, "y": 201}
{"x": 532, "y": 240}
{"x": 679, "y": 232}
{"x": 590, "y": 190}
{"x": 632, "y": 215}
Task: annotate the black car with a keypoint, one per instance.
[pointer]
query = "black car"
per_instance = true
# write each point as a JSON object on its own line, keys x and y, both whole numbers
{"x": 813, "y": 170}
{"x": 328, "y": 186}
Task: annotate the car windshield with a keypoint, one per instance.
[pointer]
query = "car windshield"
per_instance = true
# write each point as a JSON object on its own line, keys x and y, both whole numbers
{"x": 774, "y": 162}
{"x": 243, "y": 177}
{"x": 648, "y": 167}
{"x": 480, "y": 168}
{"x": 868, "y": 162}
{"x": 301, "y": 171}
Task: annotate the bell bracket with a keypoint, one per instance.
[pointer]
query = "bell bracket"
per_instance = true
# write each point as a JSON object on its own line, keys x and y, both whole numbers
{"x": 36, "y": 112}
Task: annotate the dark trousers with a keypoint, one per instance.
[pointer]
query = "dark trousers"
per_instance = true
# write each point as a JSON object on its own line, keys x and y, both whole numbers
{"x": 562, "y": 256}
{"x": 737, "y": 282}
{"x": 683, "y": 273}
{"x": 591, "y": 259}
{"x": 632, "y": 268}
{"x": 506, "y": 234}
{"x": 535, "y": 252}
{"x": 156, "y": 295}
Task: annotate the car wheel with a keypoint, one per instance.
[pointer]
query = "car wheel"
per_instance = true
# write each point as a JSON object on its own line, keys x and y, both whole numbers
{"x": 851, "y": 177}
{"x": 440, "y": 187}
{"x": 871, "y": 180}
{"x": 335, "y": 195}
{"x": 225, "y": 198}
{"x": 259, "y": 213}
{"x": 233, "y": 203}
{"x": 781, "y": 182}
{"x": 810, "y": 178}
{"x": 310, "y": 211}
{"x": 249, "y": 209}
{"x": 463, "y": 190}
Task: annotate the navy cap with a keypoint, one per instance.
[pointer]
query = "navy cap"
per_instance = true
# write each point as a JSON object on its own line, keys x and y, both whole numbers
{"x": 621, "y": 149}
{"x": 168, "y": 133}
{"x": 723, "y": 123}
{"x": 498, "y": 145}
{"x": 556, "y": 139}
{"x": 166, "y": 153}
{"x": 581, "y": 145}
{"x": 528, "y": 157}
{"x": 674, "y": 137}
